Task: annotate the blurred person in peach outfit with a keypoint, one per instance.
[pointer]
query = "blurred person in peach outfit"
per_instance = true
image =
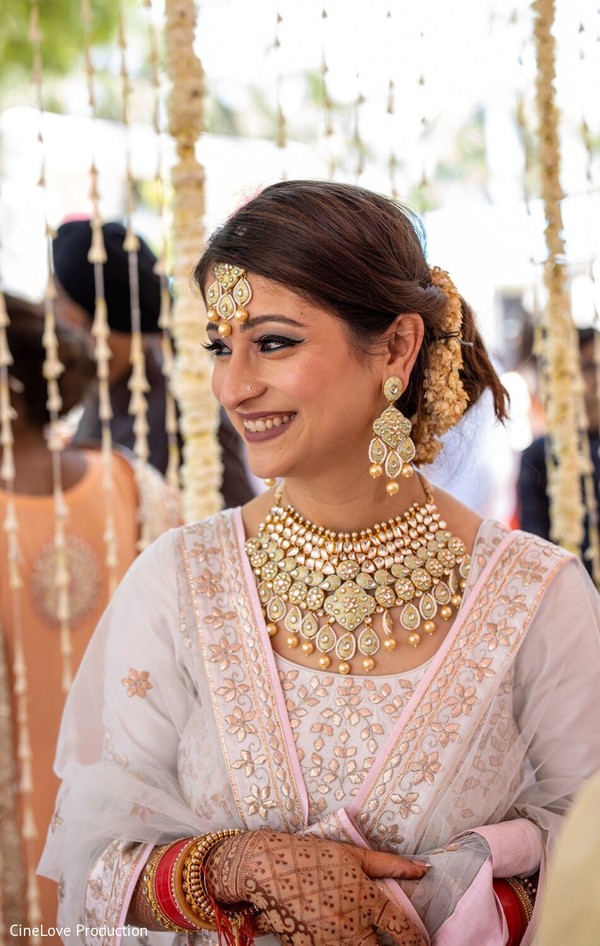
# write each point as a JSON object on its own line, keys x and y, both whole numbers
{"x": 31, "y": 613}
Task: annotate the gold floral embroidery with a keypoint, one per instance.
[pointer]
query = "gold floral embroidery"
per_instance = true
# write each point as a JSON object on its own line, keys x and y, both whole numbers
{"x": 231, "y": 689}
{"x": 208, "y": 584}
{"x": 248, "y": 763}
{"x": 446, "y": 734}
{"x": 426, "y": 768}
{"x": 339, "y": 726}
{"x": 240, "y": 723}
{"x": 531, "y": 572}
{"x": 137, "y": 682}
{"x": 513, "y": 604}
{"x": 198, "y": 552}
{"x": 224, "y": 653}
{"x": 407, "y": 804}
{"x": 217, "y": 618}
{"x": 463, "y": 701}
{"x": 481, "y": 669}
{"x": 388, "y": 838}
{"x": 259, "y": 801}
{"x": 496, "y": 635}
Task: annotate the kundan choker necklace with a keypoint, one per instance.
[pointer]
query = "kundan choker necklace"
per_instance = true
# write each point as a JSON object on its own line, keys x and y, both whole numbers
{"x": 325, "y": 587}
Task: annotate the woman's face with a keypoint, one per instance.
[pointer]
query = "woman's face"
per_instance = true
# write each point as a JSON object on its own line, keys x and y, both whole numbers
{"x": 301, "y": 397}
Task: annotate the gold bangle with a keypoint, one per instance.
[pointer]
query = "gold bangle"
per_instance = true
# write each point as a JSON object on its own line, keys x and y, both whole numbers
{"x": 179, "y": 894}
{"x": 193, "y": 880}
{"x": 526, "y": 898}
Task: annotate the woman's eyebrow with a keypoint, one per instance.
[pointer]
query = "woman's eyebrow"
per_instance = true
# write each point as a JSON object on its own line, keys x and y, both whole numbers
{"x": 261, "y": 319}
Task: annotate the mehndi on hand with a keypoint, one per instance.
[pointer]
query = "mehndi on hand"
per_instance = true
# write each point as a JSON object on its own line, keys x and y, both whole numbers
{"x": 312, "y": 892}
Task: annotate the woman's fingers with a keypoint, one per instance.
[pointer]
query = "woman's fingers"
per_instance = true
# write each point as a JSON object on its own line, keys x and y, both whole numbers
{"x": 390, "y": 918}
{"x": 379, "y": 864}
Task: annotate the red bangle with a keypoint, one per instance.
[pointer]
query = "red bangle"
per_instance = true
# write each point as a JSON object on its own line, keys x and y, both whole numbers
{"x": 163, "y": 886}
{"x": 513, "y": 911}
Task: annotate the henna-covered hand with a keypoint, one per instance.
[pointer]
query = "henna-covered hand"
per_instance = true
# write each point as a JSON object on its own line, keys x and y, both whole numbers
{"x": 312, "y": 892}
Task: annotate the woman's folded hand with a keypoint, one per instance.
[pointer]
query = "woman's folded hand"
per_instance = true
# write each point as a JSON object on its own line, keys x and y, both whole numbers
{"x": 312, "y": 892}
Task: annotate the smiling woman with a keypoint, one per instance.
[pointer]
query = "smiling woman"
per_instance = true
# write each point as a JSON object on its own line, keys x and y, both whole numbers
{"x": 361, "y": 713}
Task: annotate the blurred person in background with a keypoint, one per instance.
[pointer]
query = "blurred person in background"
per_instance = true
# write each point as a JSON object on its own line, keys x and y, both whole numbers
{"x": 76, "y": 292}
{"x": 532, "y": 485}
{"x": 31, "y": 613}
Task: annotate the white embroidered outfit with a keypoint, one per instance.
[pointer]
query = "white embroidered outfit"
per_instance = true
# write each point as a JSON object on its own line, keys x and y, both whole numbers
{"x": 182, "y": 720}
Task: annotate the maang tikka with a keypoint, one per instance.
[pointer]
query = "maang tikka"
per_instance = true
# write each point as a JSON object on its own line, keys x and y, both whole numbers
{"x": 391, "y": 449}
{"x": 227, "y": 296}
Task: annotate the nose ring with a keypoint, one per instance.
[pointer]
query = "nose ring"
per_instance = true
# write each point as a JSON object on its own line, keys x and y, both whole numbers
{"x": 247, "y": 387}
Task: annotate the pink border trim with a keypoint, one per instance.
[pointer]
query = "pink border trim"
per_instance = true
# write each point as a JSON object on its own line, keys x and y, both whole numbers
{"x": 428, "y": 676}
{"x": 269, "y": 659}
{"x": 133, "y": 879}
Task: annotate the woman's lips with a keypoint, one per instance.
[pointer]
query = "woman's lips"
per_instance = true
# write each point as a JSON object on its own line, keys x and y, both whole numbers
{"x": 264, "y": 428}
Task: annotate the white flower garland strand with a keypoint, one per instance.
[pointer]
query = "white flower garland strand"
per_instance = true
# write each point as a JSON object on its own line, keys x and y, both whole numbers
{"x": 202, "y": 468}
{"x": 100, "y": 329}
{"x": 164, "y": 319}
{"x": 10, "y": 527}
{"x": 138, "y": 381}
{"x": 563, "y": 387}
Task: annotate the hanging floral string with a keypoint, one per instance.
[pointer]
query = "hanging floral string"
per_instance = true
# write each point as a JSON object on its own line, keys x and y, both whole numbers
{"x": 138, "y": 381}
{"x": 52, "y": 371}
{"x": 281, "y": 122}
{"x": 100, "y": 328}
{"x": 563, "y": 387}
{"x": 13, "y": 880}
{"x": 161, "y": 268}
{"x": 357, "y": 143}
{"x": 328, "y": 132}
{"x": 29, "y": 831}
{"x": 424, "y": 121}
{"x": 199, "y": 412}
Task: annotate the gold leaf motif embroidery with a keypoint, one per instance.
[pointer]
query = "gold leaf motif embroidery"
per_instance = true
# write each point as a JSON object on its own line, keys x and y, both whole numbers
{"x": 218, "y": 618}
{"x": 208, "y": 584}
{"x": 240, "y": 723}
{"x": 231, "y": 689}
{"x": 259, "y": 801}
{"x": 426, "y": 768}
{"x": 224, "y": 653}
{"x": 137, "y": 683}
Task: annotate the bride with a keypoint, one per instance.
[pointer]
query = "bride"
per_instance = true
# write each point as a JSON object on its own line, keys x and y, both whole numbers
{"x": 351, "y": 709}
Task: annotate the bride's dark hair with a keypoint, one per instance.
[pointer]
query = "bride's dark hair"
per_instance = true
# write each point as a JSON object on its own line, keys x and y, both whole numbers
{"x": 360, "y": 256}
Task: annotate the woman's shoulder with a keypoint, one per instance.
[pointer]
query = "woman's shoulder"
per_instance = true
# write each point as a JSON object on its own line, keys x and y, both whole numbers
{"x": 492, "y": 532}
{"x": 207, "y": 536}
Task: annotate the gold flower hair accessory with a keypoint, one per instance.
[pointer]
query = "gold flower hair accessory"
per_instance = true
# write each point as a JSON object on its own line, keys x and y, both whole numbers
{"x": 445, "y": 397}
{"x": 227, "y": 296}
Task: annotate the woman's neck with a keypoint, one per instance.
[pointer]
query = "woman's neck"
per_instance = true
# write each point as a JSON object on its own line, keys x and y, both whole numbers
{"x": 34, "y": 465}
{"x": 350, "y": 507}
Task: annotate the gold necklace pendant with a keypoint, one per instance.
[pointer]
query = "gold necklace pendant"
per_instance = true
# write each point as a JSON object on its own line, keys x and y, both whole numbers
{"x": 325, "y": 587}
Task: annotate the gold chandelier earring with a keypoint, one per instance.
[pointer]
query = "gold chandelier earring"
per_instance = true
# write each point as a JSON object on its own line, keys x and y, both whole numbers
{"x": 391, "y": 449}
